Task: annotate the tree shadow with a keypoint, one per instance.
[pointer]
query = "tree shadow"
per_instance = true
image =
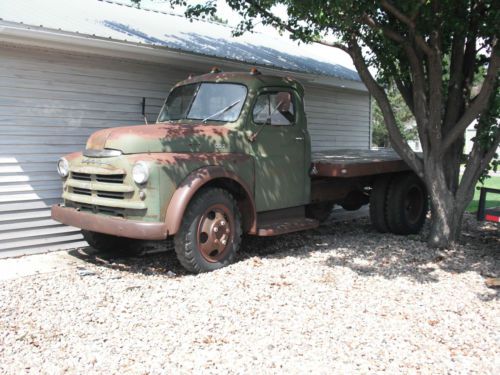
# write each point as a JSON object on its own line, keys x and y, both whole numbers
{"x": 351, "y": 244}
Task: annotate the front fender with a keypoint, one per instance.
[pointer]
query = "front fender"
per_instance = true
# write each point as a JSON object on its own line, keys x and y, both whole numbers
{"x": 192, "y": 184}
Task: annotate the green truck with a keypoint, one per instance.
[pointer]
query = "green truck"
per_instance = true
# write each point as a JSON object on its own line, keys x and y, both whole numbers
{"x": 230, "y": 154}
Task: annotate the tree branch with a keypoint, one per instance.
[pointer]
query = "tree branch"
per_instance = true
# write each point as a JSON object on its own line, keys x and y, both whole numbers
{"x": 389, "y": 7}
{"x": 380, "y": 96}
{"x": 391, "y": 34}
{"x": 479, "y": 103}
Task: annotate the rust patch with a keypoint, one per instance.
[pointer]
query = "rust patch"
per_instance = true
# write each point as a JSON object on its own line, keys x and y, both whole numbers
{"x": 109, "y": 224}
{"x": 360, "y": 169}
{"x": 170, "y": 131}
{"x": 73, "y": 156}
{"x": 97, "y": 140}
{"x": 174, "y": 158}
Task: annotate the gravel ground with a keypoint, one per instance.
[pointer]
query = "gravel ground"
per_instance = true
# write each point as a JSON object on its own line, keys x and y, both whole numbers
{"x": 341, "y": 298}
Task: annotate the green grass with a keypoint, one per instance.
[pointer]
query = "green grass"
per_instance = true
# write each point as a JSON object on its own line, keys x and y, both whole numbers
{"x": 492, "y": 200}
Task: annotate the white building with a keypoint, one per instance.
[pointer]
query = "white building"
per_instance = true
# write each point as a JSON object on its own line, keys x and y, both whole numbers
{"x": 69, "y": 68}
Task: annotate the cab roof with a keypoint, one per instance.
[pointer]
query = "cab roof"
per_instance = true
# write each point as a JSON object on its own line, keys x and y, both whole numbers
{"x": 250, "y": 79}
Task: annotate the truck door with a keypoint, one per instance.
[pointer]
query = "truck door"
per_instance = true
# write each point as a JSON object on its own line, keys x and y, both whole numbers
{"x": 280, "y": 148}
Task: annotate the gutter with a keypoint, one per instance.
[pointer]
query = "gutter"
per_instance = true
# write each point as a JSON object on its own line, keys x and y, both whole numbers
{"x": 32, "y": 36}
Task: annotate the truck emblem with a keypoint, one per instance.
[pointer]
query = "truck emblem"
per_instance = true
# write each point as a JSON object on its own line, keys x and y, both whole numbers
{"x": 93, "y": 161}
{"x": 220, "y": 146}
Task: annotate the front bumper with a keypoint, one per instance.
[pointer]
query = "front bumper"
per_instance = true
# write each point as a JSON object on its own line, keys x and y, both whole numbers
{"x": 112, "y": 225}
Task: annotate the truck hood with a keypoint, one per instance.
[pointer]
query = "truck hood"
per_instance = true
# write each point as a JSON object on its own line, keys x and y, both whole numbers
{"x": 163, "y": 138}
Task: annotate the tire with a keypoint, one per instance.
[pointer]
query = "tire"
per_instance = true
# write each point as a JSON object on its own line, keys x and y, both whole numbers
{"x": 351, "y": 206}
{"x": 406, "y": 204}
{"x": 354, "y": 201}
{"x": 113, "y": 244}
{"x": 378, "y": 198}
{"x": 210, "y": 232}
{"x": 319, "y": 211}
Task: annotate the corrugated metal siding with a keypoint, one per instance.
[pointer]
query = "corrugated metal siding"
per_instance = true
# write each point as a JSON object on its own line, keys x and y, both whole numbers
{"x": 337, "y": 118}
{"x": 51, "y": 102}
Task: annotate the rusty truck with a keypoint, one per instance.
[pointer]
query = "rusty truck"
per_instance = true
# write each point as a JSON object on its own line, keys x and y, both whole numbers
{"x": 229, "y": 155}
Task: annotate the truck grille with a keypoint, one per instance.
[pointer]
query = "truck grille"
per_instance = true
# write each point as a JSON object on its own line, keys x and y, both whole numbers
{"x": 80, "y": 176}
{"x": 110, "y": 194}
{"x": 82, "y": 191}
{"x": 101, "y": 193}
{"x": 112, "y": 178}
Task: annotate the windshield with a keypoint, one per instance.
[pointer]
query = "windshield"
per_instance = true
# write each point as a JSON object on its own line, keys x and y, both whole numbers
{"x": 204, "y": 101}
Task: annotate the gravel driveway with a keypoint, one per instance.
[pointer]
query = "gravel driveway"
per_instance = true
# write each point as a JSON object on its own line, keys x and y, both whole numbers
{"x": 341, "y": 298}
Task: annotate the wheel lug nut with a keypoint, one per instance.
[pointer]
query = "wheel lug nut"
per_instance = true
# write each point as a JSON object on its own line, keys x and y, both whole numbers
{"x": 216, "y": 241}
{"x": 227, "y": 230}
{"x": 216, "y": 229}
{"x": 222, "y": 223}
{"x": 223, "y": 242}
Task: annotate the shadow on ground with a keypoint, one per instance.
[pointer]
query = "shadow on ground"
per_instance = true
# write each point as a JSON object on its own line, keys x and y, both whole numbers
{"x": 353, "y": 244}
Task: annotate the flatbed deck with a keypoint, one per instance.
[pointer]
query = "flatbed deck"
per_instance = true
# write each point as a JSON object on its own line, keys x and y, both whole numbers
{"x": 355, "y": 163}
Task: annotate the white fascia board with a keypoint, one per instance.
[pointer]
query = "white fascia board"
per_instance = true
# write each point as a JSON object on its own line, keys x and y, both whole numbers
{"x": 72, "y": 42}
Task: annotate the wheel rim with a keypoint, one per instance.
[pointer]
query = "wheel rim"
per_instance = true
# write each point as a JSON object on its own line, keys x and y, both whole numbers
{"x": 215, "y": 232}
{"x": 414, "y": 204}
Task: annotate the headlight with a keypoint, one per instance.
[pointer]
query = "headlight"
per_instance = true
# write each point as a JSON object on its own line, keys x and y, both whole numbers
{"x": 140, "y": 172}
{"x": 63, "y": 167}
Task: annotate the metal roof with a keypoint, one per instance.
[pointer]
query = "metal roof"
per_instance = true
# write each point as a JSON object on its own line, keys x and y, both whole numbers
{"x": 118, "y": 22}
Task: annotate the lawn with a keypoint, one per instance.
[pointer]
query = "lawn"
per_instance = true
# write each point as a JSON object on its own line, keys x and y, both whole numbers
{"x": 492, "y": 200}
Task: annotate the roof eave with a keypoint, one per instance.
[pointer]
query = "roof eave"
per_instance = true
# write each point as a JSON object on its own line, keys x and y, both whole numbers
{"x": 57, "y": 39}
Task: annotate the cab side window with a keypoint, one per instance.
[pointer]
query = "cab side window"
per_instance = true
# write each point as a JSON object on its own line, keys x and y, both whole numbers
{"x": 275, "y": 108}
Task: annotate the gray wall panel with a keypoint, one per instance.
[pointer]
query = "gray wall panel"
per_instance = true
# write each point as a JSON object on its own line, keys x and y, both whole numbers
{"x": 50, "y": 102}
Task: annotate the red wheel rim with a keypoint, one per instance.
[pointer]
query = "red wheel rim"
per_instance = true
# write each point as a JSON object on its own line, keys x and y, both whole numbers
{"x": 214, "y": 235}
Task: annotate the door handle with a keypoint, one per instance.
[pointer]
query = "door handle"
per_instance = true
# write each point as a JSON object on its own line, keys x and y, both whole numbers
{"x": 299, "y": 138}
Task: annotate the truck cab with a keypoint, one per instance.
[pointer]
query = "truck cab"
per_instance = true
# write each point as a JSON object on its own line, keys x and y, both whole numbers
{"x": 229, "y": 154}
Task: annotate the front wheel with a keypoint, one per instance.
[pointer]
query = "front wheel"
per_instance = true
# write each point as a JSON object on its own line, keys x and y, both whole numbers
{"x": 210, "y": 233}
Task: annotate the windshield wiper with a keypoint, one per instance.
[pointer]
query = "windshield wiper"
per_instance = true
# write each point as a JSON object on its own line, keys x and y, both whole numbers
{"x": 224, "y": 110}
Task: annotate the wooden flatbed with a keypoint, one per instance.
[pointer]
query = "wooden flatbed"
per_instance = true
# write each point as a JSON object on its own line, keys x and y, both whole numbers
{"x": 355, "y": 163}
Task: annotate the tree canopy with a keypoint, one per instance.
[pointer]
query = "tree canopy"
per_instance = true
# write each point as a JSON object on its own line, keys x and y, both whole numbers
{"x": 433, "y": 51}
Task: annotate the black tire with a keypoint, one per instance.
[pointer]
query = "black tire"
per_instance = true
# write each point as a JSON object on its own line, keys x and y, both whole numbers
{"x": 354, "y": 201}
{"x": 351, "y": 206}
{"x": 406, "y": 204}
{"x": 378, "y": 198}
{"x": 198, "y": 245}
{"x": 319, "y": 211}
{"x": 113, "y": 244}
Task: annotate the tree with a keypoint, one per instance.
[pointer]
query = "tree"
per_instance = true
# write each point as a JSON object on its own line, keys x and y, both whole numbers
{"x": 432, "y": 50}
{"x": 404, "y": 120}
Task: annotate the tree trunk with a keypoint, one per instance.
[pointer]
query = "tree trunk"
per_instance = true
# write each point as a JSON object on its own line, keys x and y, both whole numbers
{"x": 446, "y": 226}
{"x": 447, "y": 209}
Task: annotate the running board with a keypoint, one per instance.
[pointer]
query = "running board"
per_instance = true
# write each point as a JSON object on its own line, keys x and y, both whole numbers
{"x": 286, "y": 225}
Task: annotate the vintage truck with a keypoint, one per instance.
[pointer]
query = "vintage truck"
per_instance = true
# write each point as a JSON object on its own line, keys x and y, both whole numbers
{"x": 230, "y": 154}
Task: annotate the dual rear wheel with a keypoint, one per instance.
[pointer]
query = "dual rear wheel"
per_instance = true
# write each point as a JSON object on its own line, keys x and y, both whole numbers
{"x": 399, "y": 204}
